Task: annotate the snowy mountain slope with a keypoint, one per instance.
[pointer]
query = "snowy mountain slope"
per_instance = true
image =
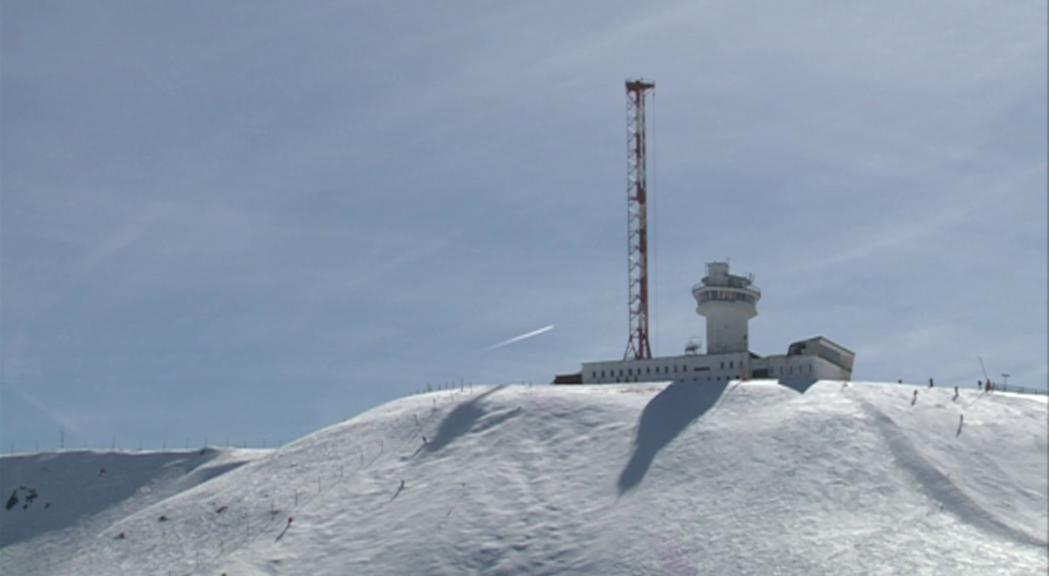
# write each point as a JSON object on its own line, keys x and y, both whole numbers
{"x": 742, "y": 478}
{"x": 58, "y": 498}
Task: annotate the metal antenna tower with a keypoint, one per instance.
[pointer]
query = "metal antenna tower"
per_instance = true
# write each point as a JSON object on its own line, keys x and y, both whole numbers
{"x": 638, "y": 345}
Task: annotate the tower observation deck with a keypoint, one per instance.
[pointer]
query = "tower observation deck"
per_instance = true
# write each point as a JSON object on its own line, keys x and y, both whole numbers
{"x": 728, "y": 302}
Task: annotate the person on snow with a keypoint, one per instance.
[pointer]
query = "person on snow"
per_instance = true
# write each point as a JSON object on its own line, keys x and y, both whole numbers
{"x": 915, "y": 399}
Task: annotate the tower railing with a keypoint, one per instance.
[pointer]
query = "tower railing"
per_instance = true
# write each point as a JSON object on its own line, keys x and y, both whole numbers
{"x": 724, "y": 296}
{"x": 702, "y": 286}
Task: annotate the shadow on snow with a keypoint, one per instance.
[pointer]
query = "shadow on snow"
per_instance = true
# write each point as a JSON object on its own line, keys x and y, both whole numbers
{"x": 665, "y": 416}
{"x": 797, "y": 383}
{"x": 459, "y": 421}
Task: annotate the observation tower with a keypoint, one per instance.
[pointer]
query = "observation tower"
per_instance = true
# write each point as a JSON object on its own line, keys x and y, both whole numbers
{"x": 728, "y": 302}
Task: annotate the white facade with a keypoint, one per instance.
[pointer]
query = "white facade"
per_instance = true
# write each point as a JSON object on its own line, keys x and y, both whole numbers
{"x": 728, "y": 302}
{"x": 815, "y": 361}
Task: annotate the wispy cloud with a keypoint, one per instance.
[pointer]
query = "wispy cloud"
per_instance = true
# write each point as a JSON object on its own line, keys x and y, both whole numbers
{"x": 119, "y": 239}
{"x": 962, "y": 214}
{"x": 112, "y": 244}
{"x": 50, "y": 412}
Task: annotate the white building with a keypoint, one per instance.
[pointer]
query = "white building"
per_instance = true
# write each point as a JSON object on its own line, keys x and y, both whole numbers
{"x": 728, "y": 302}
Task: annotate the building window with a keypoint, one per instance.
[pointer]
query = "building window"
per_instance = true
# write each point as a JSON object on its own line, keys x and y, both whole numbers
{"x": 648, "y": 370}
{"x": 731, "y": 365}
{"x": 722, "y": 365}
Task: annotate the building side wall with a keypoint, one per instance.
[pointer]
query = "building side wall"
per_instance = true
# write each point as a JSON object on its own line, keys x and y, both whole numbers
{"x": 712, "y": 368}
{"x": 776, "y": 367}
{"x": 698, "y": 367}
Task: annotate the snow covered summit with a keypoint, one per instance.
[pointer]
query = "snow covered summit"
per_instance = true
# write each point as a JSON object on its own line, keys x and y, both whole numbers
{"x": 732, "y": 478}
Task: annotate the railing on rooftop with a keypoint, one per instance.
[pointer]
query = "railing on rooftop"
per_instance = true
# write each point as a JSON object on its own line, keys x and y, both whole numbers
{"x": 721, "y": 295}
{"x": 733, "y": 282}
{"x": 750, "y": 290}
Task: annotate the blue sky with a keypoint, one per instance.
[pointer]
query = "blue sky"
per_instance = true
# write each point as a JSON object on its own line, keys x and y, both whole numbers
{"x": 247, "y": 220}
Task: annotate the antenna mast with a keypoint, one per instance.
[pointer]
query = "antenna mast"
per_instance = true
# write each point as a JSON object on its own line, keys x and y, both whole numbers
{"x": 638, "y": 345}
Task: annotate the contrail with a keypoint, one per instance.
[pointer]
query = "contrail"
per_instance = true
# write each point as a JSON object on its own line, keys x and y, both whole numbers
{"x": 524, "y": 336}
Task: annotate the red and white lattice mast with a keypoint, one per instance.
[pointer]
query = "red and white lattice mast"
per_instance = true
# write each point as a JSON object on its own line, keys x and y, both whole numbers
{"x": 638, "y": 346}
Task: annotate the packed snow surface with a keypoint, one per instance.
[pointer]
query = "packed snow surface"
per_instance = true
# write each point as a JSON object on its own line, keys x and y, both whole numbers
{"x": 736, "y": 478}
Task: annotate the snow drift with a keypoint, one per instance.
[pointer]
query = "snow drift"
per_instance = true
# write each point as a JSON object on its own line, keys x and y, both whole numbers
{"x": 740, "y": 478}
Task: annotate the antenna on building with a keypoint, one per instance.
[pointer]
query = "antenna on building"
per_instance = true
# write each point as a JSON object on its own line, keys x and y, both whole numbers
{"x": 638, "y": 345}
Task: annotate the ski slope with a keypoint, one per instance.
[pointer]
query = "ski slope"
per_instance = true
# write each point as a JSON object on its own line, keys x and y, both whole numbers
{"x": 738, "y": 478}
